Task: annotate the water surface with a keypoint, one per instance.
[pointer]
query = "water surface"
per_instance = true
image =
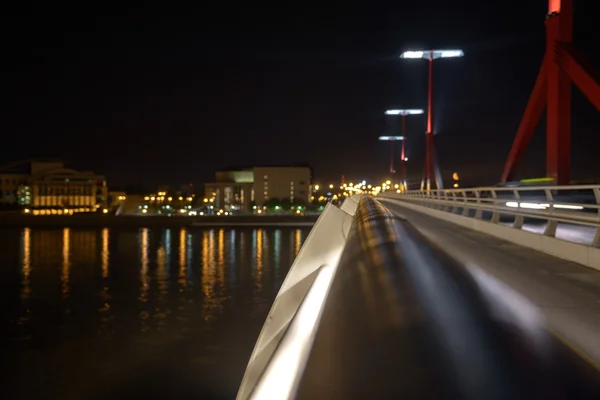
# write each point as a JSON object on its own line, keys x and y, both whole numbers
{"x": 154, "y": 313}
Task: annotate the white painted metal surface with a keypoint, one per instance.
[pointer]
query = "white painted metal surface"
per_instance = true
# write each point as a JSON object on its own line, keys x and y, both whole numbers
{"x": 289, "y": 328}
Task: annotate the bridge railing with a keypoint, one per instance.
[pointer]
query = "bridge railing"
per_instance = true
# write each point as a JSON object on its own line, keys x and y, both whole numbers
{"x": 514, "y": 206}
{"x": 388, "y": 313}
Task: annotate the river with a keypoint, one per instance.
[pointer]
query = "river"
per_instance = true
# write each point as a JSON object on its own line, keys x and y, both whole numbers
{"x": 153, "y": 313}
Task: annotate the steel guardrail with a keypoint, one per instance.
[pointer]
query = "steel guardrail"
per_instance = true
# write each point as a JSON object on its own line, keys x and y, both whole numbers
{"x": 577, "y": 205}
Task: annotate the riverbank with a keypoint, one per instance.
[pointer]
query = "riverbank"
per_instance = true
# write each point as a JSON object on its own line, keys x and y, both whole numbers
{"x": 132, "y": 221}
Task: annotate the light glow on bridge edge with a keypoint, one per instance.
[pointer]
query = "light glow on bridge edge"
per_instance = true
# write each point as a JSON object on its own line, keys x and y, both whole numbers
{"x": 281, "y": 377}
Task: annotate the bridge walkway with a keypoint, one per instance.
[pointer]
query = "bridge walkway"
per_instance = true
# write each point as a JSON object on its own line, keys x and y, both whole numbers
{"x": 567, "y": 293}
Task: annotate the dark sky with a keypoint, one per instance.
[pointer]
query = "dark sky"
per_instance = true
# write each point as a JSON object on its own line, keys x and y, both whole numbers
{"x": 168, "y": 94}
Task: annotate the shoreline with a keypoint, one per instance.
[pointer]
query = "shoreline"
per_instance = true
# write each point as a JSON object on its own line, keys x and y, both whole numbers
{"x": 134, "y": 221}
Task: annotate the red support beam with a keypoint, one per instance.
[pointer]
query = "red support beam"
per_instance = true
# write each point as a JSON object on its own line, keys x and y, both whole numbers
{"x": 533, "y": 113}
{"x": 392, "y": 154}
{"x": 581, "y": 72}
{"x": 560, "y": 68}
{"x": 403, "y": 154}
{"x": 429, "y": 166}
{"x": 558, "y": 112}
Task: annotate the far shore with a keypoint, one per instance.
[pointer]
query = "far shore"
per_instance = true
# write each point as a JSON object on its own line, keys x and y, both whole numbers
{"x": 134, "y": 221}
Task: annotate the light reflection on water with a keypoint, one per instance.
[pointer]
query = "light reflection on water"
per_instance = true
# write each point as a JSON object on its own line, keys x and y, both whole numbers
{"x": 105, "y": 254}
{"x": 105, "y": 310}
{"x": 182, "y": 276}
{"x": 66, "y": 263}
{"x": 144, "y": 265}
{"x": 89, "y": 301}
{"x": 259, "y": 258}
{"x": 25, "y": 292}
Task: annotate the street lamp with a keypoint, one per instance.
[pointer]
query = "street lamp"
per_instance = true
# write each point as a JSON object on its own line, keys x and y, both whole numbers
{"x": 430, "y": 166}
{"x": 403, "y": 158}
{"x": 391, "y": 139}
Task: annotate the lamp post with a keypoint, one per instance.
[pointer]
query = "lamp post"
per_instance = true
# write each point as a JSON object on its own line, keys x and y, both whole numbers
{"x": 430, "y": 164}
{"x": 391, "y": 139}
{"x": 403, "y": 158}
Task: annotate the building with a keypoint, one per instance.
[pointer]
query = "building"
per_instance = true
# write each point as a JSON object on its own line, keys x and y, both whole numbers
{"x": 116, "y": 200}
{"x": 240, "y": 189}
{"x": 134, "y": 204}
{"x": 46, "y": 185}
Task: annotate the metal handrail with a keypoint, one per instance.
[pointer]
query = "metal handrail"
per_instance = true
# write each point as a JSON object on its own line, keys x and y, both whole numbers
{"x": 404, "y": 318}
{"x": 553, "y": 206}
{"x": 510, "y": 189}
{"x": 285, "y": 333}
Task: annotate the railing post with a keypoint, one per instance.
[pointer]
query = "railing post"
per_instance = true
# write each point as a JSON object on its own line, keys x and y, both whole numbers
{"x": 551, "y": 224}
{"x": 518, "y": 222}
{"x": 478, "y": 210}
{"x": 465, "y": 212}
{"x": 454, "y": 206}
{"x": 596, "y": 241}
{"x": 495, "y": 214}
{"x": 445, "y": 207}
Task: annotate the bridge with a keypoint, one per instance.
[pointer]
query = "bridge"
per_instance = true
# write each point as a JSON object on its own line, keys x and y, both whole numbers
{"x": 436, "y": 294}
{"x": 490, "y": 292}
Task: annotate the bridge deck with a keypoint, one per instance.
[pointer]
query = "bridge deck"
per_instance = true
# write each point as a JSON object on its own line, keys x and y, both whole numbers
{"x": 567, "y": 293}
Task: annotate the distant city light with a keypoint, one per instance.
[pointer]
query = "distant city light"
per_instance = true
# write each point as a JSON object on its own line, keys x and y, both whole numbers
{"x": 404, "y": 112}
{"x": 388, "y": 138}
{"x": 412, "y": 54}
{"x": 433, "y": 54}
{"x": 451, "y": 53}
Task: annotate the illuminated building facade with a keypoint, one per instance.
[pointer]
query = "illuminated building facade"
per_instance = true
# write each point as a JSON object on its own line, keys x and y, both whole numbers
{"x": 116, "y": 200}
{"x": 239, "y": 189}
{"x": 47, "y": 186}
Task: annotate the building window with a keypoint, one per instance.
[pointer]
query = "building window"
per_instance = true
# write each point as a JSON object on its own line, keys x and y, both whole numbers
{"x": 266, "y": 177}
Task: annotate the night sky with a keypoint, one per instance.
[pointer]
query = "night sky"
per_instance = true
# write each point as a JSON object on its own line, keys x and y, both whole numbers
{"x": 168, "y": 95}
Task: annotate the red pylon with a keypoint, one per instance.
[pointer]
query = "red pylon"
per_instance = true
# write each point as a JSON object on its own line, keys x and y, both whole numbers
{"x": 561, "y": 66}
